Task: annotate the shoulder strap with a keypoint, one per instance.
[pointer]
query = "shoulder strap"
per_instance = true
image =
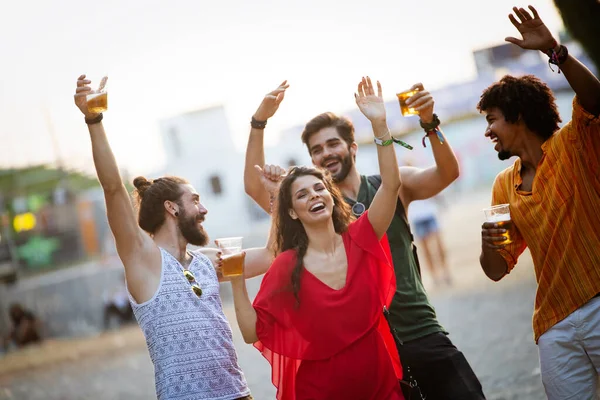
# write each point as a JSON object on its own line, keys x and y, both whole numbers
{"x": 375, "y": 180}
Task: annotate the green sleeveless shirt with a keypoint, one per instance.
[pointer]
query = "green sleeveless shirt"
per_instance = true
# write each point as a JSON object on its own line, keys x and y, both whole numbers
{"x": 410, "y": 312}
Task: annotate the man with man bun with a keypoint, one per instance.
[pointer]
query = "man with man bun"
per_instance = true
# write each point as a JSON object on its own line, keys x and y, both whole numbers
{"x": 174, "y": 292}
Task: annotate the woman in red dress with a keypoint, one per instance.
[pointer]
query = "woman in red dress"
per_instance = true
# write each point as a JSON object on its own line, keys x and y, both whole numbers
{"x": 318, "y": 317}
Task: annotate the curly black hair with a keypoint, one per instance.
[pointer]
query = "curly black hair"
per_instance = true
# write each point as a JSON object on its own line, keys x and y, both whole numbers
{"x": 526, "y": 97}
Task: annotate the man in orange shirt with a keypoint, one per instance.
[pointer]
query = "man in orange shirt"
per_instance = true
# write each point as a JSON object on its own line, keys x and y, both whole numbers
{"x": 553, "y": 189}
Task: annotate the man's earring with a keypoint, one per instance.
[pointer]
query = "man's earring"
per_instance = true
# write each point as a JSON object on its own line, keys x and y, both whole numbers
{"x": 177, "y": 213}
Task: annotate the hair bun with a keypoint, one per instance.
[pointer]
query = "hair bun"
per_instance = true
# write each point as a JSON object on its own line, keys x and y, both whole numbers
{"x": 141, "y": 184}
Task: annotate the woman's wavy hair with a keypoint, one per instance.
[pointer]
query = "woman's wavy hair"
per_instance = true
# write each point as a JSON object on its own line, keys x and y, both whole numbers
{"x": 290, "y": 233}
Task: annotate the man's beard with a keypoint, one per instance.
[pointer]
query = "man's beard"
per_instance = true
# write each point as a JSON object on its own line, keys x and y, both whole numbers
{"x": 504, "y": 155}
{"x": 190, "y": 230}
{"x": 346, "y": 164}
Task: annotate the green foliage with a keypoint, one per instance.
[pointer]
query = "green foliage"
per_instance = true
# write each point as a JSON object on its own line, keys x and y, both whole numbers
{"x": 41, "y": 180}
{"x": 38, "y": 250}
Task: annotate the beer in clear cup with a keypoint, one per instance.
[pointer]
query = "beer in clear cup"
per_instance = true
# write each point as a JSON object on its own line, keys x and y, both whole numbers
{"x": 404, "y": 108}
{"x": 229, "y": 247}
{"x": 500, "y": 215}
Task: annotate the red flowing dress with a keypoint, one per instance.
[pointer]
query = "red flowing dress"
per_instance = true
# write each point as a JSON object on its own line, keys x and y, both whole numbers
{"x": 334, "y": 344}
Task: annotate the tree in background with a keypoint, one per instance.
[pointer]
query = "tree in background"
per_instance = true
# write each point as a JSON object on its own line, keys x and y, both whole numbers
{"x": 582, "y": 20}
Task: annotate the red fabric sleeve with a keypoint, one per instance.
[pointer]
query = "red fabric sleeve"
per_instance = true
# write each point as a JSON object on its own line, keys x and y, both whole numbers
{"x": 272, "y": 328}
{"x": 363, "y": 233}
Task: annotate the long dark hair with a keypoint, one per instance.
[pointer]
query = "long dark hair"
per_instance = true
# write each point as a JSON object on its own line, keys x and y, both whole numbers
{"x": 290, "y": 233}
{"x": 151, "y": 195}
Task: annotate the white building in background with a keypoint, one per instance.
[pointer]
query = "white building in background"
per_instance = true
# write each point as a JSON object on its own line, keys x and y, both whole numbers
{"x": 199, "y": 147}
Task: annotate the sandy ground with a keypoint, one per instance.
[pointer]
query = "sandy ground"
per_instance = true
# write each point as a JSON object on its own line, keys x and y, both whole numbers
{"x": 490, "y": 322}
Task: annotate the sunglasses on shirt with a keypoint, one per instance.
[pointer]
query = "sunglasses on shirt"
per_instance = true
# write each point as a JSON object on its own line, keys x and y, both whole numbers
{"x": 192, "y": 279}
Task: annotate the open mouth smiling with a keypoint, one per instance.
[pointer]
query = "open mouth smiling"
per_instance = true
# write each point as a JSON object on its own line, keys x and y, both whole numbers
{"x": 317, "y": 207}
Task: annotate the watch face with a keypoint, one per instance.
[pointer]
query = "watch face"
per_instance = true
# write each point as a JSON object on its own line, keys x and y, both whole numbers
{"x": 358, "y": 209}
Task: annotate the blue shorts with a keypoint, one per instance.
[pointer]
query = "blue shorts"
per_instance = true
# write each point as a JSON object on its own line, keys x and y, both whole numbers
{"x": 425, "y": 227}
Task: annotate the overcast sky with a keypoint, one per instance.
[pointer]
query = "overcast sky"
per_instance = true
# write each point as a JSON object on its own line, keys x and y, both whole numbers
{"x": 167, "y": 57}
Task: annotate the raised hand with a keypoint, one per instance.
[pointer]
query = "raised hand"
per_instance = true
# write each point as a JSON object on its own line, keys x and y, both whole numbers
{"x": 422, "y": 102}
{"x": 270, "y": 177}
{"x": 83, "y": 89}
{"x": 536, "y": 36}
{"x": 369, "y": 103}
{"x": 271, "y": 102}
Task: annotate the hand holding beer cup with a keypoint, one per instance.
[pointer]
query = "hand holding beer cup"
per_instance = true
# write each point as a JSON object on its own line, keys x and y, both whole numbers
{"x": 90, "y": 102}
{"x": 417, "y": 100}
{"x": 231, "y": 257}
{"x": 231, "y": 266}
{"x": 495, "y": 232}
{"x": 271, "y": 102}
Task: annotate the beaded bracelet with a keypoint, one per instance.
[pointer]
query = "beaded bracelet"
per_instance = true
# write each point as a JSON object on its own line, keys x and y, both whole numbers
{"x": 557, "y": 57}
{"x": 435, "y": 131}
{"x": 432, "y": 128}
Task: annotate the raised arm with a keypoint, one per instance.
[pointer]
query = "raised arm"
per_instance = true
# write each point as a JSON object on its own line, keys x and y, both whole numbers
{"x": 244, "y": 312}
{"x": 258, "y": 260}
{"x": 536, "y": 36}
{"x": 383, "y": 207}
{"x": 255, "y": 152}
{"x": 423, "y": 183}
{"x": 130, "y": 239}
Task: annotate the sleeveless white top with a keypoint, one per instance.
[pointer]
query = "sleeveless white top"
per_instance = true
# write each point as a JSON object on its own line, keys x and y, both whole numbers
{"x": 422, "y": 209}
{"x": 189, "y": 338}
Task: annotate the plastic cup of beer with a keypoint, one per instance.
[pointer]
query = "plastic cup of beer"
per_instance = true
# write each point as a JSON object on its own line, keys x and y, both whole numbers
{"x": 231, "y": 246}
{"x": 404, "y": 108}
{"x": 500, "y": 215}
{"x": 97, "y": 101}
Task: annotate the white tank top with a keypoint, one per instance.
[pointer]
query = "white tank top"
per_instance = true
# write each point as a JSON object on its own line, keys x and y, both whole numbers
{"x": 189, "y": 338}
{"x": 420, "y": 210}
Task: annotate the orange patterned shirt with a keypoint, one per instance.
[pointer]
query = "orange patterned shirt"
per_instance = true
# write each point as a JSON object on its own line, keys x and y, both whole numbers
{"x": 559, "y": 220}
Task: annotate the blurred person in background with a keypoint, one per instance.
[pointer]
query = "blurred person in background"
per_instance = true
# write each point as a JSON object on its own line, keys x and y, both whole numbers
{"x": 441, "y": 370}
{"x": 174, "y": 292}
{"x": 553, "y": 190}
{"x": 423, "y": 217}
{"x": 116, "y": 304}
{"x": 424, "y": 222}
{"x": 25, "y": 327}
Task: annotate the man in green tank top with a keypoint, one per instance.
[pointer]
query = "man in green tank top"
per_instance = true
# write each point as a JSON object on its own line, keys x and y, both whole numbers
{"x": 440, "y": 369}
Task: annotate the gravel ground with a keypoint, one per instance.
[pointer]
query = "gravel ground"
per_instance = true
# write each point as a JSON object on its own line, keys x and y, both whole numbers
{"x": 491, "y": 326}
